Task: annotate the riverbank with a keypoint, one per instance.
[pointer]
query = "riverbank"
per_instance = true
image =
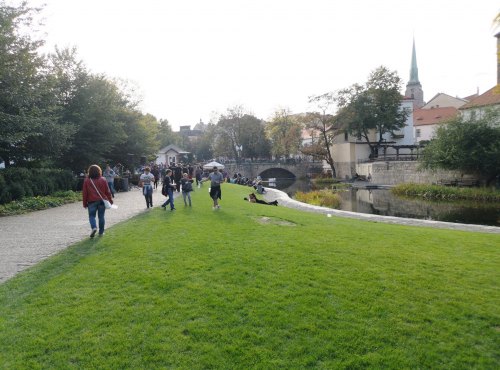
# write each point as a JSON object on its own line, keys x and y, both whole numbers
{"x": 286, "y": 201}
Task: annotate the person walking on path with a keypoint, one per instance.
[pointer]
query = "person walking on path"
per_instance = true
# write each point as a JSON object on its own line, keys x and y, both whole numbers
{"x": 198, "y": 173}
{"x": 110, "y": 175}
{"x": 216, "y": 179}
{"x": 187, "y": 188}
{"x": 156, "y": 173}
{"x": 146, "y": 181}
{"x": 95, "y": 190}
{"x": 168, "y": 190}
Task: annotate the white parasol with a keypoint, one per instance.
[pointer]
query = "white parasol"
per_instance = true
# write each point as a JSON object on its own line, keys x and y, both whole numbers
{"x": 211, "y": 165}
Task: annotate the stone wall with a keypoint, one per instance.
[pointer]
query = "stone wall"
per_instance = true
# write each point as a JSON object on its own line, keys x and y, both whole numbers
{"x": 345, "y": 170}
{"x": 392, "y": 173}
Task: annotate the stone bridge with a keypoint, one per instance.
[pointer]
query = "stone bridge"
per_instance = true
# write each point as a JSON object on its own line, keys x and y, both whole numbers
{"x": 279, "y": 170}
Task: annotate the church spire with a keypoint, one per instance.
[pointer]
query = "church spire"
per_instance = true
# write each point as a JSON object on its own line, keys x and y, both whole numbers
{"x": 414, "y": 68}
{"x": 413, "y": 87}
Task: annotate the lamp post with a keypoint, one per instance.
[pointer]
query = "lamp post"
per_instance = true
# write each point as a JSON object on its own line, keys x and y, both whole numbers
{"x": 239, "y": 149}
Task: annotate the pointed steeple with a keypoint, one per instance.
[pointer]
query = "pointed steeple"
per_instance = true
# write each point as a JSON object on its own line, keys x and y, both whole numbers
{"x": 414, "y": 68}
{"x": 413, "y": 87}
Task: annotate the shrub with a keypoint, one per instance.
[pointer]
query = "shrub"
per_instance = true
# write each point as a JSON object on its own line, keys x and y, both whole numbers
{"x": 440, "y": 192}
{"x": 323, "y": 198}
{"x": 17, "y": 183}
{"x": 37, "y": 203}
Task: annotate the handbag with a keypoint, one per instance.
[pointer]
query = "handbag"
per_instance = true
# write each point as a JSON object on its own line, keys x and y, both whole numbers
{"x": 107, "y": 203}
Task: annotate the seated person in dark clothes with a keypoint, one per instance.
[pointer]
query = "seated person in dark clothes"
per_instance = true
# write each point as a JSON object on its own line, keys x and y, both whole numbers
{"x": 253, "y": 199}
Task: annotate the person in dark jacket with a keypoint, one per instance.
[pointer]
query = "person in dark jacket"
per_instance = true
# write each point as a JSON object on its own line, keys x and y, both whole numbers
{"x": 95, "y": 190}
{"x": 252, "y": 198}
{"x": 168, "y": 190}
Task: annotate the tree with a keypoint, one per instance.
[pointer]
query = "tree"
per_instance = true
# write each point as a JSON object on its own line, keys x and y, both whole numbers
{"x": 376, "y": 106}
{"x": 253, "y": 138}
{"x": 284, "y": 131}
{"x": 27, "y": 128}
{"x": 470, "y": 146}
{"x": 95, "y": 110}
{"x": 228, "y": 132}
{"x": 324, "y": 124}
{"x": 141, "y": 132}
{"x": 240, "y": 134}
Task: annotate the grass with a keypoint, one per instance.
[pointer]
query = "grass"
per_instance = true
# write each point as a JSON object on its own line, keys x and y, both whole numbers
{"x": 30, "y": 204}
{"x": 253, "y": 286}
{"x": 438, "y": 192}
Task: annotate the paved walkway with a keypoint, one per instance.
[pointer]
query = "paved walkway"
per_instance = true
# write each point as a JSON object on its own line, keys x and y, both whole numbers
{"x": 27, "y": 239}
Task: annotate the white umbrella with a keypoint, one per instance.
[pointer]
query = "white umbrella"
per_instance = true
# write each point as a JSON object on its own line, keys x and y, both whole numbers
{"x": 211, "y": 165}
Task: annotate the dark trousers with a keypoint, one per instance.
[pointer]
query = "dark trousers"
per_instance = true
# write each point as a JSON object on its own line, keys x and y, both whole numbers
{"x": 148, "y": 194}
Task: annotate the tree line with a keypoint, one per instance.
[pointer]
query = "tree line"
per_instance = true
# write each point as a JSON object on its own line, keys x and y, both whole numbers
{"x": 56, "y": 113}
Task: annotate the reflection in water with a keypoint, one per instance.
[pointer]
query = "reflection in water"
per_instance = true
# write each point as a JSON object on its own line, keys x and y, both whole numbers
{"x": 383, "y": 202}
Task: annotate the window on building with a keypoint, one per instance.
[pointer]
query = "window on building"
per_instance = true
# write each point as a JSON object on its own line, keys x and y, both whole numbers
{"x": 346, "y": 136}
{"x": 418, "y": 132}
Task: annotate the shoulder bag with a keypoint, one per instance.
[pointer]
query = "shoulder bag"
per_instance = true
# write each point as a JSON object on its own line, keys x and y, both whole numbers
{"x": 106, "y": 202}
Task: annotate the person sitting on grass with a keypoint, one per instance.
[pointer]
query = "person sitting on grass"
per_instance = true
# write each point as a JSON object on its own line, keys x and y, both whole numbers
{"x": 252, "y": 198}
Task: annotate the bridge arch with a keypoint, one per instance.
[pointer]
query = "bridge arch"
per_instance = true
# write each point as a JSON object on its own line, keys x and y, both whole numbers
{"x": 278, "y": 173}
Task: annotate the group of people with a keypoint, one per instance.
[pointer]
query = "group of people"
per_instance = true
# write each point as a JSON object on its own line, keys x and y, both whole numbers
{"x": 184, "y": 184}
{"x": 98, "y": 189}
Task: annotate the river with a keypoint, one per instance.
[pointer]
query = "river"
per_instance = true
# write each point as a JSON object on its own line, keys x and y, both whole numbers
{"x": 383, "y": 202}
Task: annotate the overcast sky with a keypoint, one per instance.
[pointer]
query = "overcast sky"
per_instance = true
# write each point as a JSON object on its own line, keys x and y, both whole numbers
{"x": 192, "y": 58}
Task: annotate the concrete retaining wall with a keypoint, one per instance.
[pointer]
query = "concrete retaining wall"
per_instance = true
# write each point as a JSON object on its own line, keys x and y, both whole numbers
{"x": 392, "y": 173}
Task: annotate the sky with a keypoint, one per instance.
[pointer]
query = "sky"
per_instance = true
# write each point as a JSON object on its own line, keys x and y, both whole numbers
{"x": 192, "y": 60}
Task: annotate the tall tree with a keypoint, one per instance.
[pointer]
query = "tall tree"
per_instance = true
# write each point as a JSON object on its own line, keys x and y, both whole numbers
{"x": 141, "y": 132}
{"x": 284, "y": 131}
{"x": 96, "y": 112}
{"x": 26, "y": 122}
{"x": 254, "y": 143}
{"x": 323, "y": 123}
{"x": 373, "y": 107}
{"x": 229, "y": 132}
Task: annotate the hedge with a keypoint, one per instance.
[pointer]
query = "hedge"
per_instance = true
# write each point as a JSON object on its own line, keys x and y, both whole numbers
{"x": 17, "y": 183}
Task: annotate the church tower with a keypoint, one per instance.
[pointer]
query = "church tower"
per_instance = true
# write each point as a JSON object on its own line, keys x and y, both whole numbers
{"x": 413, "y": 87}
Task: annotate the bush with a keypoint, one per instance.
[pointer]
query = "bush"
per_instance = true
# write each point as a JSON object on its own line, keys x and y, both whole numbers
{"x": 17, "y": 183}
{"x": 439, "y": 192}
{"x": 323, "y": 198}
{"x": 37, "y": 203}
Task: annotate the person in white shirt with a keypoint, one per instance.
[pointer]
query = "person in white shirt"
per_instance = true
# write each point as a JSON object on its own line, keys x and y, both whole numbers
{"x": 146, "y": 181}
{"x": 216, "y": 179}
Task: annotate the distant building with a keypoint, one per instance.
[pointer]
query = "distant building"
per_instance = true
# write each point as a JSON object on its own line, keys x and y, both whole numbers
{"x": 441, "y": 100}
{"x": 193, "y": 134}
{"x": 477, "y": 107}
{"x": 171, "y": 154}
{"x": 426, "y": 121}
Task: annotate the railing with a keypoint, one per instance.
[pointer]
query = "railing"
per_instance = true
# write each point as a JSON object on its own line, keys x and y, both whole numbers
{"x": 392, "y": 158}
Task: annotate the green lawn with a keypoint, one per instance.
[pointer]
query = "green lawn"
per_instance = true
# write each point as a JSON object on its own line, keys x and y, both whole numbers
{"x": 256, "y": 286}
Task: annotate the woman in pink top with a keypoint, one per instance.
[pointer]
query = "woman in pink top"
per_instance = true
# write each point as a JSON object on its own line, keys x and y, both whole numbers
{"x": 95, "y": 189}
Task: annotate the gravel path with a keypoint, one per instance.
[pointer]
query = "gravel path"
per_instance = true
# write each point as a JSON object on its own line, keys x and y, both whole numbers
{"x": 27, "y": 239}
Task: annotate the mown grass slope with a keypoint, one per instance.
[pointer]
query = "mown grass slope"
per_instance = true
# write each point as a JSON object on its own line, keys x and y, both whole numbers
{"x": 256, "y": 286}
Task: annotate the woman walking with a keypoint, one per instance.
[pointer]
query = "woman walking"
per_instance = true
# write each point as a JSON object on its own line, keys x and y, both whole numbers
{"x": 95, "y": 190}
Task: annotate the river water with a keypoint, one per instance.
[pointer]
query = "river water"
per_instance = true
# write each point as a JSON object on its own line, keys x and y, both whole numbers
{"x": 383, "y": 202}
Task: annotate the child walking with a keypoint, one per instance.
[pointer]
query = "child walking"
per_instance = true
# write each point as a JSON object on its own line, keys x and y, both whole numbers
{"x": 187, "y": 188}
